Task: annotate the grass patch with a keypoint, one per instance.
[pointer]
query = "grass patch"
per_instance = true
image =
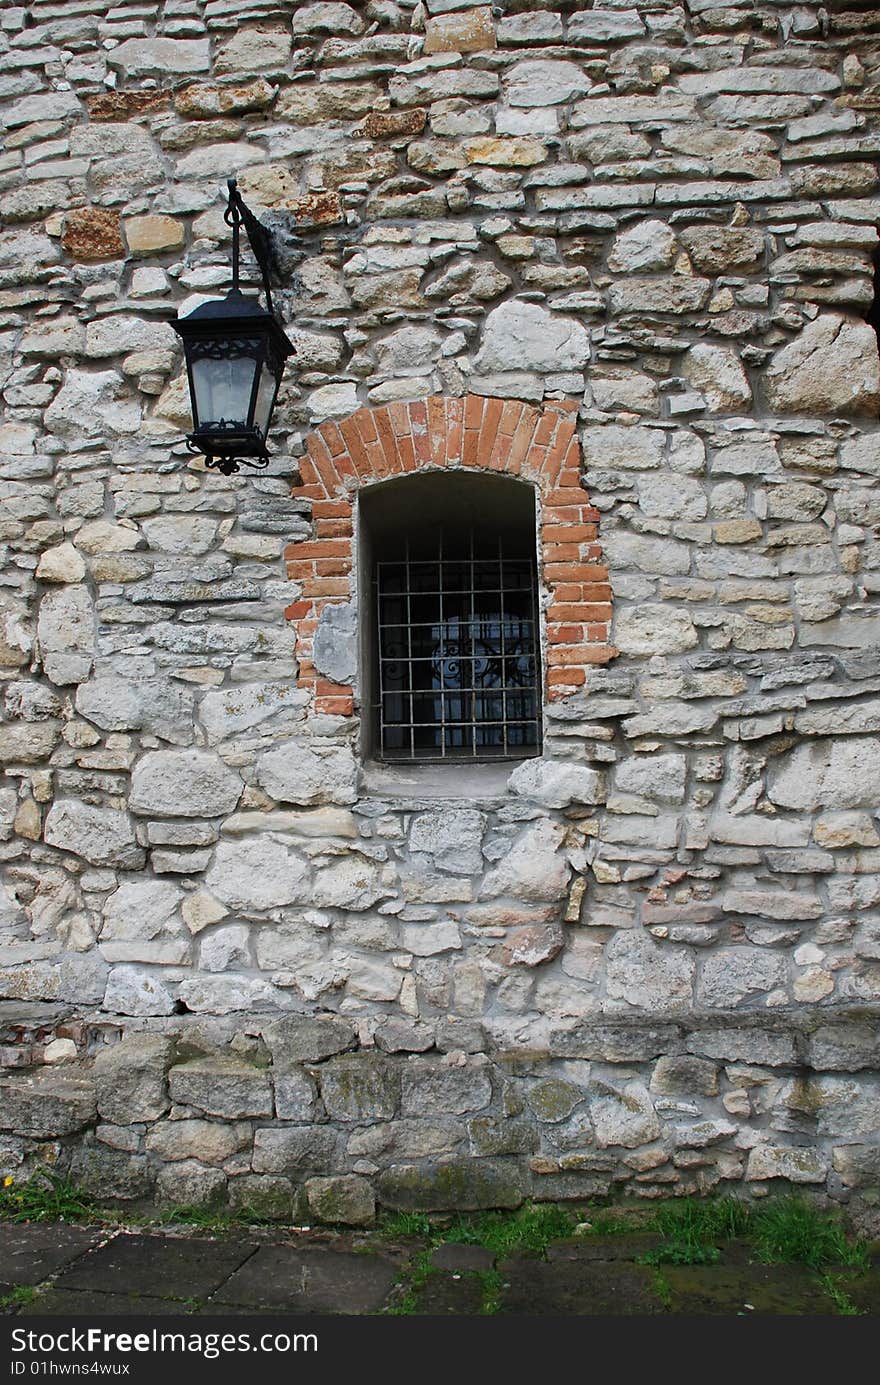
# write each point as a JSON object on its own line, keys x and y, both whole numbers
{"x": 790, "y": 1231}
{"x": 531, "y": 1228}
{"x": 44, "y": 1196}
{"x": 838, "y": 1295}
{"x": 17, "y": 1297}
{"x": 414, "y": 1278}
{"x": 692, "y": 1230}
{"x": 405, "y": 1225}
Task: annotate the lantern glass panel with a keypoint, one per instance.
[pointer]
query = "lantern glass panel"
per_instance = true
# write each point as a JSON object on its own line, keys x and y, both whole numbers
{"x": 222, "y": 388}
{"x": 266, "y": 392}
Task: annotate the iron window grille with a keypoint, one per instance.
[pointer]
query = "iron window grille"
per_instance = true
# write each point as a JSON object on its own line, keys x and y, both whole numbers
{"x": 458, "y": 674}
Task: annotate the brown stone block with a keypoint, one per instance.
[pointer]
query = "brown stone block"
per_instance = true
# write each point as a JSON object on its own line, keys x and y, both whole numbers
{"x": 92, "y": 234}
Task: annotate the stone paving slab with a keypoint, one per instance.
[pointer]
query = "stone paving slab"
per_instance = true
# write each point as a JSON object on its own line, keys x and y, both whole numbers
{"x": 31, "y": 1252}
{"x": 574, "y": 1288}
{"x": 316, "y": 1280}
{"x": 83, "y": 1303}
{"x": 759, "y": 1290}
{"x": 161, "y": 1266}
{"x": 454, "y": 1256}
{"x": 627, "y": 1246}
{"x": 448, "y": 1295}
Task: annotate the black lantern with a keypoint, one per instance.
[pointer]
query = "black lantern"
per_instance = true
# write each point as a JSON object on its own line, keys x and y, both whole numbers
{"x": 235, "y": 352}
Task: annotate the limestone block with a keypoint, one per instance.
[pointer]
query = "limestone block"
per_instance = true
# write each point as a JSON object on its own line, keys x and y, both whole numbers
{"x": 131, "y": 1078}
{"x": 101, "y": 836}
{"x": 557, "y": 783}
{"x": 345, "y": 1200}
{"x": 156, "y": 705}
{"x": 359, "y": 1088}
{"x": 794, "y": 1165}
{"x": 157, "y": 57}
{"x": 832, "y": 367}
{"x": 184, "y": 783}
{"x": 211, "y": 1142}
{"x": 329, "y": 18}
{"x": 153, "y": 234}
{"x": 653, "y": 777}
{"x": 653, "y": 629}
{"x": 253, "y": 50}
{"x": 307, "y": 772}
{"x": 717, "y": 373}
{"x": 625, "y": 1117}
{"x": 335, "y": 644}
{"x": 27, "y": 742}
{"x": 133, "y": 991}
{"x": 533, "y": 868}
{"x": 452, "y": 836}
{"x": 733, "y": 975}
{"x": 302, "y": 1039}
{"x": 350, "y": 883}
{"x": 141, "y": 909}
{"x": 544, "y": 82}
{"x": 66, "y": 634}
{"x": 222, "y": 1086}
{"x": 47, "y": 1102}
{"x": 827, "y": 774}
{"x": 525, "y": 336}
{"x": 469, "y": 31}
{"x": 257, "y": 874}
{"x": 655, "y": 978}
{"x": 645, "y": 246}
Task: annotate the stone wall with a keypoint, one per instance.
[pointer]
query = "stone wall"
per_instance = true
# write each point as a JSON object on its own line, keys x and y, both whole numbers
{"x": 239, "y": 963}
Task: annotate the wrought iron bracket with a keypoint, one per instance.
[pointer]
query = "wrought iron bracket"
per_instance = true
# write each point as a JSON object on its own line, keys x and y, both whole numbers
{"x": 237, "y": 214}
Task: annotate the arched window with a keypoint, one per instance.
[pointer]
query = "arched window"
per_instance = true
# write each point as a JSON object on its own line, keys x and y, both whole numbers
{"x": 450, "y": 629}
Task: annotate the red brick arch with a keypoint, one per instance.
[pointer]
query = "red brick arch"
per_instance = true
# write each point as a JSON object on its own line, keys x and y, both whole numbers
{"x": 538, "y": 444}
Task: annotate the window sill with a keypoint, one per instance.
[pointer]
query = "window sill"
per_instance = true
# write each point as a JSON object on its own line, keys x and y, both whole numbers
{"x": 477, "y": 782}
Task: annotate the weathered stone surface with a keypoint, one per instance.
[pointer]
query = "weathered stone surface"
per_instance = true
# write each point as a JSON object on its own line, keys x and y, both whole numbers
{"x": 645, "y": 246}
{"x": 557, "y": 784}
{"x": 654, "y": 629}
{"x": 470, "y": 31}
{"x": 734, "y": 975}
{"x": 190, "y": 1184}
{"x": 794, "y": 1165}
{"x": 257, "y": 874}
{"x": 463, "y": 1184}
{"x": 101, "y": 836}
{"x": 831, "y": 367}
{"x": 533, "y": 868}
{"x": 47, "y": 1102}
{"x": 157, "y": 57}
{"x": 345, "y": 1200}
{"x": 647, "y": 976}
{"x": 131, "y": 991}
{"x": 827, "y": 774}
{"x": 153, "y": 234}
{"x": 222, "y": 1086}
{"x": 525, "y": 336}
{"x": 140, "y": 909}
{"x": 315, "y": 771}
{"x": 544, "y": 82}
{"x": 92, "y": 233}
{"x": 717, "y": 373}
{"x": 66, "y": 634}
{"x": 131, "y": 1078}
{"x": 335, "y": 645}
{"x": 155, "y": 705}
{"x": 452, "y": 837}
{"x": 625, "y": 1117}
{"x": 359, "y": 1088}
{"x": 184, "y": 783}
